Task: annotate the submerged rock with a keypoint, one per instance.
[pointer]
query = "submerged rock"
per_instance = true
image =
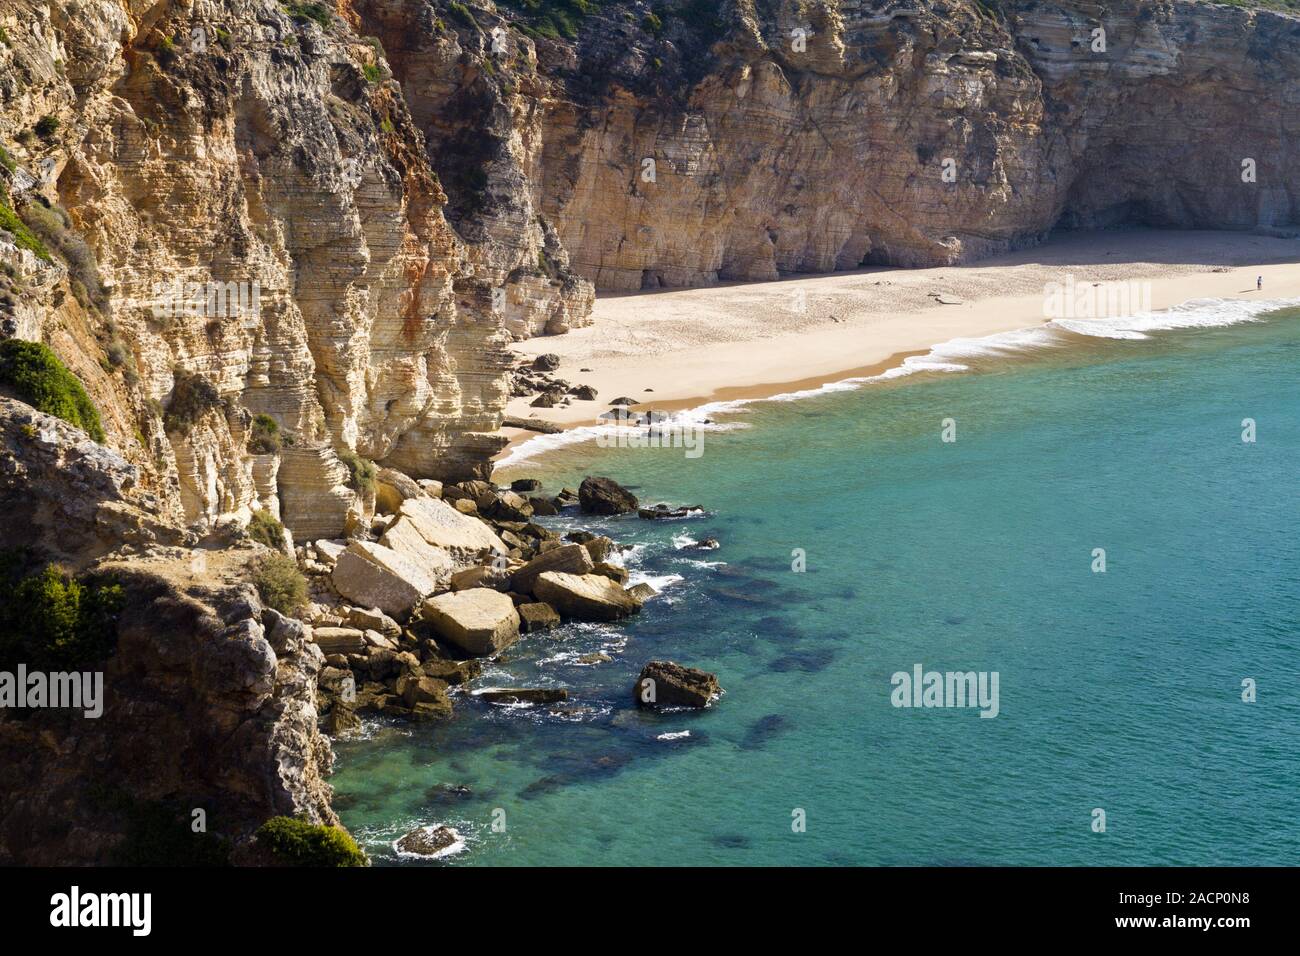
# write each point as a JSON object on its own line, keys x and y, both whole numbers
{"x": 523, "y": 695}
{"x": 428, "y": 841}
{"x": 668, "y": 684}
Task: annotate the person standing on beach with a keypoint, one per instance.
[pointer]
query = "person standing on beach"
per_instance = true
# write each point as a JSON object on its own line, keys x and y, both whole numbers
{"x": 1259, "y": 283}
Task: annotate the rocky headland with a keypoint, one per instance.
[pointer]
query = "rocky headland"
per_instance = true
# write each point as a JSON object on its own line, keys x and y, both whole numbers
{"x": 261, "y": 264}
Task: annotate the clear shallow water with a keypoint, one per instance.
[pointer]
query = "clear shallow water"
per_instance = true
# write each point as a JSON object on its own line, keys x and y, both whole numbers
{"x": 1119, "y": 690}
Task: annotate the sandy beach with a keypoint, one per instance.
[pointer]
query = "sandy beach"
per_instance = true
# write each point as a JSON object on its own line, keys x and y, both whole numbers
{"x": 684, "y": 347}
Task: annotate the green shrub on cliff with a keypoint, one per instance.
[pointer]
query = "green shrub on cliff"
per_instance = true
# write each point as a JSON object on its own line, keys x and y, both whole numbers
{"x": 51, "y": 621}
{"x": 36, "y": 376}
{"x": 302, "y": 12}
{"x": 265, "y": 438}
{"x": 280, "y": 583}
{"x": 361, "y": 471}
{"x": 264, "y": 529}
{"x": 299, "y": 843}
{"x": 23, "y": 237}
{"x": 192, "y": 396}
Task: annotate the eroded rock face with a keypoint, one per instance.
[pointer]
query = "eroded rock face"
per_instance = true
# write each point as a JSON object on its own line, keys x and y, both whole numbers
{"x": 765, "y": 137}
{"x": 67, "y": 496}
{"x": 261, "y": 217}
{"x": 268, "y": 212}
{"x": 778, "y": 160}
{"x": 209, "y": 703}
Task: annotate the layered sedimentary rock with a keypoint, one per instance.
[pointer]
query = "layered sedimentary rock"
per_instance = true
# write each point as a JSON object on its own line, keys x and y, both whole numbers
{"x": 827, "y": 135}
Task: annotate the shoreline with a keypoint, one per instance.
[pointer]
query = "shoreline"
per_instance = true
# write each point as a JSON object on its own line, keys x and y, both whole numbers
{"x": 745, "y": 342}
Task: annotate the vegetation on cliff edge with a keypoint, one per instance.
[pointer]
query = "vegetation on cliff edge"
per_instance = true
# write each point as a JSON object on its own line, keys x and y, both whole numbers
{"x": 50, "y": 620}
{"x": 36, "y": 376}
{"x": 299, "y": 843}
{"x": 280, "y": 583}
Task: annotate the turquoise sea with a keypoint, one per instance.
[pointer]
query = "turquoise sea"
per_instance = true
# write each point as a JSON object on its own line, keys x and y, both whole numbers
{"x": 1120, "y": 691}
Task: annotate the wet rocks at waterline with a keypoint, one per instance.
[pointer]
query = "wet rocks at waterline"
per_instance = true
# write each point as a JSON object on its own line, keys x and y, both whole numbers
{"x": 447, "y": 576}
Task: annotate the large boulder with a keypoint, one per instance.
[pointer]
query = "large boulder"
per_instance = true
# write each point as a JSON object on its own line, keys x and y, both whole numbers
{"x": 568, "y": 558}
{"x": 667, "y": 684}
{"x": 504, "y": 506}
{"x": 405, "y": 538}
{"x": 392, "y": 488}
{"x": 442, "y": 526}
{"x": 586, "y": 597}
{"x": 481, "y": 576}
{"x": 604, "y": 496}
{"x": 480, "y": 621}
{"x": 418, "y": 688}
{"x": 376, "y": 576}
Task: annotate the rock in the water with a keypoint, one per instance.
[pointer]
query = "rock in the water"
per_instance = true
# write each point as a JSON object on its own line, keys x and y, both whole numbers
{"x": 537, "y": 616}
{"x": 480, "y": 621}
{"x": 664, "y": 511}
{"x": 505, "y": 506}
{"x": 569, "y": 558}
{"x": 526, "y": 484}
{"x": 523, "y": 695}
{"x": 641, "y": 592}
{"x": 604, "y": 496}
{"x": 453, "y": 672}
{"x": 341, "y": 719}
{"x": 708, "y": 544}
{"x": 599, "y": 547}
{"x": 375, "y": 576}
{"x": 418, "y": 688}
{"x": 586, "y": 597}
{"x": 667, "y": 684}
{"x": 429, "y": 841}
{"x": 543, "y": 507}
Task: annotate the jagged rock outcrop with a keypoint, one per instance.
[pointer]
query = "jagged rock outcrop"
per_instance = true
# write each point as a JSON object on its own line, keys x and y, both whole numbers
{"x": 67, "y": 497}
{"x": 208, "y": 698}
{"x": 209, "y": 704}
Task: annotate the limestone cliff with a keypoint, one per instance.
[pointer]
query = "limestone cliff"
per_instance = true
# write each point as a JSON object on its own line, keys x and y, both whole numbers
{"x": 817, "y": 133}
{"x": 338, "y": 214}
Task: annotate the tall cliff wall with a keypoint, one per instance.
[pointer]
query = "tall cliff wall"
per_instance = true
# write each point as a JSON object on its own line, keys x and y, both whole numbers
{"x": 399, "y": 187}
{"x": 812, "y": 135}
